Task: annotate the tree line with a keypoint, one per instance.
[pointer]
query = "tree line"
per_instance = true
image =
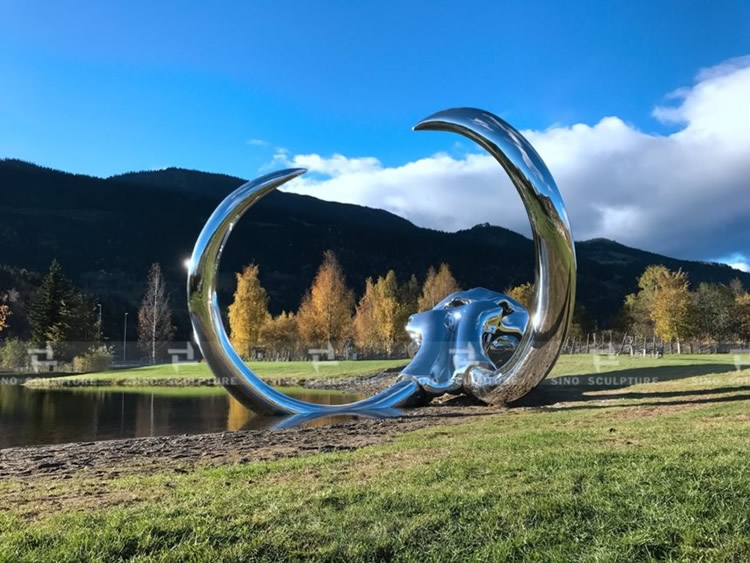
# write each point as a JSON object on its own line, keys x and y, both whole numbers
{"x": 665, "y": 308}
{"x": 65, "y": 323}
{"x": 328, "y": 319}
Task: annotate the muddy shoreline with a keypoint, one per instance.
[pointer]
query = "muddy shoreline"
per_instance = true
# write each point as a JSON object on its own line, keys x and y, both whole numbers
{"x": 182, "y": 453}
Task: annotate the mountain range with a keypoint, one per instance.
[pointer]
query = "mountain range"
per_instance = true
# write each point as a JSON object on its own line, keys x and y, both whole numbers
{"x": 107, "y": 232}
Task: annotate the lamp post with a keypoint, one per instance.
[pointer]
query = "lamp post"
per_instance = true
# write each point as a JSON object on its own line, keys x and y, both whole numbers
{"x": 125, "y": 339}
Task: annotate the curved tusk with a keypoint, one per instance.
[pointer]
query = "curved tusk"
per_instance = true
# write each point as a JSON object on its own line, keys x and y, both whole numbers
{"x": 208, "y": 328}
{"x": 554, "y": 298}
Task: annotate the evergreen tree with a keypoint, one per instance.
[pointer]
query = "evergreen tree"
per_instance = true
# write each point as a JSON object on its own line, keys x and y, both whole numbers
{"x": 78, "y": 329}
{"x": 50, "y": 310}
{"x": 155, "y": 328}
{"x": 63, "y": 316}
{"x": 248, "y": 312}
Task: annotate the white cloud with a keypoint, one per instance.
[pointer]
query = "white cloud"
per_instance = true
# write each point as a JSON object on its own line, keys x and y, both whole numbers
{"x": 685, "y": 193}
{"x": 336, "y": 165}
{"x": 257, "y": 142}
{"x": 737, "y": 261}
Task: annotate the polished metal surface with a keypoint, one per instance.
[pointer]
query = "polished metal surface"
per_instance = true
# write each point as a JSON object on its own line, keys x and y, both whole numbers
{"x": 478, "y": 341}
{"x": 551, "y": 310}
{"x": 467, "y": 329}
{"x": 226, "y": 364}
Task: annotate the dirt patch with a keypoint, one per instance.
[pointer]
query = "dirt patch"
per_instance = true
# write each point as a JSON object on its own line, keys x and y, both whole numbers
{"x": 632, "y": 412}
{"x": 180, "y": 453}
{"x": 365, "y": 385}
{"x": 47, "y": 499}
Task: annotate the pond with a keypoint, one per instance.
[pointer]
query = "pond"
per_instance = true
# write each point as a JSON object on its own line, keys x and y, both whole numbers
{"x": 51, "y": 416}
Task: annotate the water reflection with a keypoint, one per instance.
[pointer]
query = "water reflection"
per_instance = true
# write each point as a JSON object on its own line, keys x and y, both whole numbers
{"x": 47, "y": 416}
{"x": 317, "y": 419}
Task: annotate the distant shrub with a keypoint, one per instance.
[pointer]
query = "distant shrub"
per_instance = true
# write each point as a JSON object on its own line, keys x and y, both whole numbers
{"x": 98, "y": 358}
{"x": 14, "y": 355}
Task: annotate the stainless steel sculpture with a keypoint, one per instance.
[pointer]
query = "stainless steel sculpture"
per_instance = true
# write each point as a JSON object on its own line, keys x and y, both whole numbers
{"x": 466, "y": 330}
{"x": 477, "y": 342}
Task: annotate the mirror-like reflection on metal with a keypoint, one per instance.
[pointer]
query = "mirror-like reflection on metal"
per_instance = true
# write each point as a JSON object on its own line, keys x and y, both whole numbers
{"x": 208, "y": 326}
{"x": 467, "y": 329}
{"x": 552, "y": 307}
{"x": 493, "y": 362}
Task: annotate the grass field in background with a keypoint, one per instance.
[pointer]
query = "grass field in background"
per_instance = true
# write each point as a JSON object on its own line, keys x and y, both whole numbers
{"x": 667, "y": 366}
{"x": 568, "y": 365}
{"x": 201, "y": 374}
{"x": 182, "y": 391}
{"x": 655, "y": 471}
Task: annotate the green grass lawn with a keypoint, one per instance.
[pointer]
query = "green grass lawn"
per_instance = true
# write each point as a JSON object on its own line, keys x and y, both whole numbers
{"x": 589, "y": 364}
{"x": 183, "y": 391}
{"x": 655, "y": 471}
{"x": 291, "y": 371}
{"x": 200, "y": 372}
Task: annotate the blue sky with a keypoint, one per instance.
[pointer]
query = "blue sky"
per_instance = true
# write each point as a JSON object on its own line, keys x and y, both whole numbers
{"x": 99, "y": 88}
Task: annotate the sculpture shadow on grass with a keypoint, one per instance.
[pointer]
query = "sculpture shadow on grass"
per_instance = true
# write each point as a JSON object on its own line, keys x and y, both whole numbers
{"x": 585, "y": 388}
{"x": 576, "y": 392}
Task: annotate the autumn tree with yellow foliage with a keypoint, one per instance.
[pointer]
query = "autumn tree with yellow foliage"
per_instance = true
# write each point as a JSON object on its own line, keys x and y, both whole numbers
{"x": 365, "y": 321}
{"x": 279, "y": 336}
{"x": 408, "y": 304}
{"x": 743, "y": 317}
{"x": 437, "y": 285}
{"x": 387, "y": 311}
{"x": 665, "y": 298}
{"x": 580, "y": 324}
{"x": 523, "y": 293}
{"x": 248, "y": 313}
{"x": 4, "y": 314}
{"x": 325, "y": 313}
{"x": 380, "y": 317}
{"x": 742, "y": 309}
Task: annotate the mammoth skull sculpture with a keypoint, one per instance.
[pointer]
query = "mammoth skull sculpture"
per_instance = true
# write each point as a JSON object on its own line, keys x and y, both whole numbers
{"x": 475, "y": 329}
{"x": 477, "y": 342}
